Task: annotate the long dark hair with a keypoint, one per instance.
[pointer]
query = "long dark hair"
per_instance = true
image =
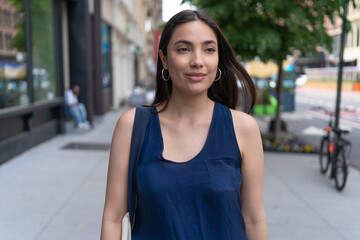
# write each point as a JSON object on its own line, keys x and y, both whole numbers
{"x": 224, "y": 91}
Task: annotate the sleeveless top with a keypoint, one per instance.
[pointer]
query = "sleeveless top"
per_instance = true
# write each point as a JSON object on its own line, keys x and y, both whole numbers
{"x": 193, "y": 200}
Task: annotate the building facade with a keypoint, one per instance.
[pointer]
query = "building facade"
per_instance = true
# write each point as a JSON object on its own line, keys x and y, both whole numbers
{"x": 153, "y": 25}
{"x": 352, "y": 41}
{"x": 47, "y": 46}
{"x": 125, "y": 21}
{"x": 351, "y": 56}
{"x": 352, "y": 45}
{"x": 30, "y": 72}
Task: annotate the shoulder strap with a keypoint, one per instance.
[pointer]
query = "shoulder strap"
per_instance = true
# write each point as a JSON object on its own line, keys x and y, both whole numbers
{"x": 142, "y": 115}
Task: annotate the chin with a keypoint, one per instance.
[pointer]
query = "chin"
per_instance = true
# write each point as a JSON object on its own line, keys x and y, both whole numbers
{"x": 198, "y": 91}
{"x": 193, "y": 89}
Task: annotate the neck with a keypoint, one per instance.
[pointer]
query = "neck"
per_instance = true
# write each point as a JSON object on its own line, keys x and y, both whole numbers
{"x": 189, "y": 107}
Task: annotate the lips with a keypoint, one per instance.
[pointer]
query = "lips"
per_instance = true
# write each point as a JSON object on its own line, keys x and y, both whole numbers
{"x": 196, "y": 76}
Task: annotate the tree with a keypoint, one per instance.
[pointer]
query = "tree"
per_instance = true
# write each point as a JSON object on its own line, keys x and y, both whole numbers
{"x": 273, "y": 29}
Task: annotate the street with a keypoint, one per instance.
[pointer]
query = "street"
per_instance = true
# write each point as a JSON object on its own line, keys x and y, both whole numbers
{"x": 308, "y": 123}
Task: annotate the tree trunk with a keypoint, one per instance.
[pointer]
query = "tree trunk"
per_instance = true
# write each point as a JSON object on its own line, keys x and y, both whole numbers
{"x": 279, "y": 98}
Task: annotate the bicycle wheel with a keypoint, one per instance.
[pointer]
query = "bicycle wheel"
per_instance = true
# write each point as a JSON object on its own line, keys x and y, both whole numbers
{"x": 341, "y": 170}
{"x": 324, "y": 155}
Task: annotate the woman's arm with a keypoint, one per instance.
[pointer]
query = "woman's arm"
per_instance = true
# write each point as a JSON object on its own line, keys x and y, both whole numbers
{"x": 117, "y": 179}
{"x": 252, "y": 170}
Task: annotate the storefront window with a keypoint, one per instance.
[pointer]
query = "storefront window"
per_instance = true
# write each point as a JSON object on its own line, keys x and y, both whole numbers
{"x": 13, "y": 82}
{"x": 13, "y": 67}
{"x": 43, "y": 50}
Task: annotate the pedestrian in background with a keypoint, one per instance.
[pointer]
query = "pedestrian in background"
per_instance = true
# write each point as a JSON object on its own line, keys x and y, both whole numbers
{"x": 200, "y": 175}
{"x": 76, "y": 109}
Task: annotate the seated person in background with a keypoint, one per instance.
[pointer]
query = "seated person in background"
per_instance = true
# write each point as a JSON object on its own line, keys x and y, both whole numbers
{"x": 77, "y": 110}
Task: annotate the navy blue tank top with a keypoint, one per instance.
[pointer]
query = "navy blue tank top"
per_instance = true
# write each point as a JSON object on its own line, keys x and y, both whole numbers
{"x": 197, "y": 199}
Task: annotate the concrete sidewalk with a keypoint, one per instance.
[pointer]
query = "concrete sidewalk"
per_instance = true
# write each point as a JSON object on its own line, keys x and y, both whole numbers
{"x": 51, "y": 193}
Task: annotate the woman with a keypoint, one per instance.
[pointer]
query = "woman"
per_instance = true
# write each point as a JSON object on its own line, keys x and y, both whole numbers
{"x": 201, "y": 171}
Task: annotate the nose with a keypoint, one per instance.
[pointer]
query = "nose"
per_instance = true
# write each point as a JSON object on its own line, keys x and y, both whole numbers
{"x": 197, "y": 59}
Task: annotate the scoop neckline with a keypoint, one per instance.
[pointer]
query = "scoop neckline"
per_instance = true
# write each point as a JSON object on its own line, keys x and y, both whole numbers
{"x": 198, "y": 154}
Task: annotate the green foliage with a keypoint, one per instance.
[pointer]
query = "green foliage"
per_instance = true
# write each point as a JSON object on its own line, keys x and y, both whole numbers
{"x": 42, "y": 31}
{"x": 162, "y": 25}
{"x": 43, "y": 43}
{"x": 19, "y": 40}
{"x": 272, "y": 29}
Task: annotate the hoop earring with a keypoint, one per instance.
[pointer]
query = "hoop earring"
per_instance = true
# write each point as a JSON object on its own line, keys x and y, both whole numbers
{"x": 163, "y": 75}
{"x": 218, "y": 78}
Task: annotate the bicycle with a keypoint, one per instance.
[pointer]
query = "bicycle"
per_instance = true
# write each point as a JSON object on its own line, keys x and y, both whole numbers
{"x": 335, "y": 150}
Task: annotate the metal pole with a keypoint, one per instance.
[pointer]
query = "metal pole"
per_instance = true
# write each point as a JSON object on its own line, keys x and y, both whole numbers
{"x": 341, "y": 63}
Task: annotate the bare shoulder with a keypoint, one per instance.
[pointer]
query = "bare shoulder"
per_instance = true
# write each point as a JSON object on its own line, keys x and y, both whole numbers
{"x": 120, "y": 144}
{"x": 244, "y": 123}
{"x": 124, "y": 126}
{"x": 126, "y": 120}
{"x": 247, "y": 135}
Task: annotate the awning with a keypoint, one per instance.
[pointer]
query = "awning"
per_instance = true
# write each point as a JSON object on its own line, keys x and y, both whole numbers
{"x": 261, "y": 70}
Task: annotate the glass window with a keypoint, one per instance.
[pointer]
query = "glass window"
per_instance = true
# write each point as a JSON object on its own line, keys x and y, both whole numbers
{"x": 7, "y": 17}
{"x": 8, "y": 41}
{"x": 13, "y": 82}
{"x": 16, "y": 18}
{"x": 43, "y": 50}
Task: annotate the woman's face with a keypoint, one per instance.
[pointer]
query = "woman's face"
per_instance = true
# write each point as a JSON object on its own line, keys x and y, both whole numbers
{"x": 192, "y": 58}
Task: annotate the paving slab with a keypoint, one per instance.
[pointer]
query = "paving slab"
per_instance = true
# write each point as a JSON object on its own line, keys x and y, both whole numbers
{"x": 301, "y": 203}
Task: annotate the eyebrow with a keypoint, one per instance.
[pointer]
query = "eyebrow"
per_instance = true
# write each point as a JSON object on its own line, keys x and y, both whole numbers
{"x": 207, "y": 42}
